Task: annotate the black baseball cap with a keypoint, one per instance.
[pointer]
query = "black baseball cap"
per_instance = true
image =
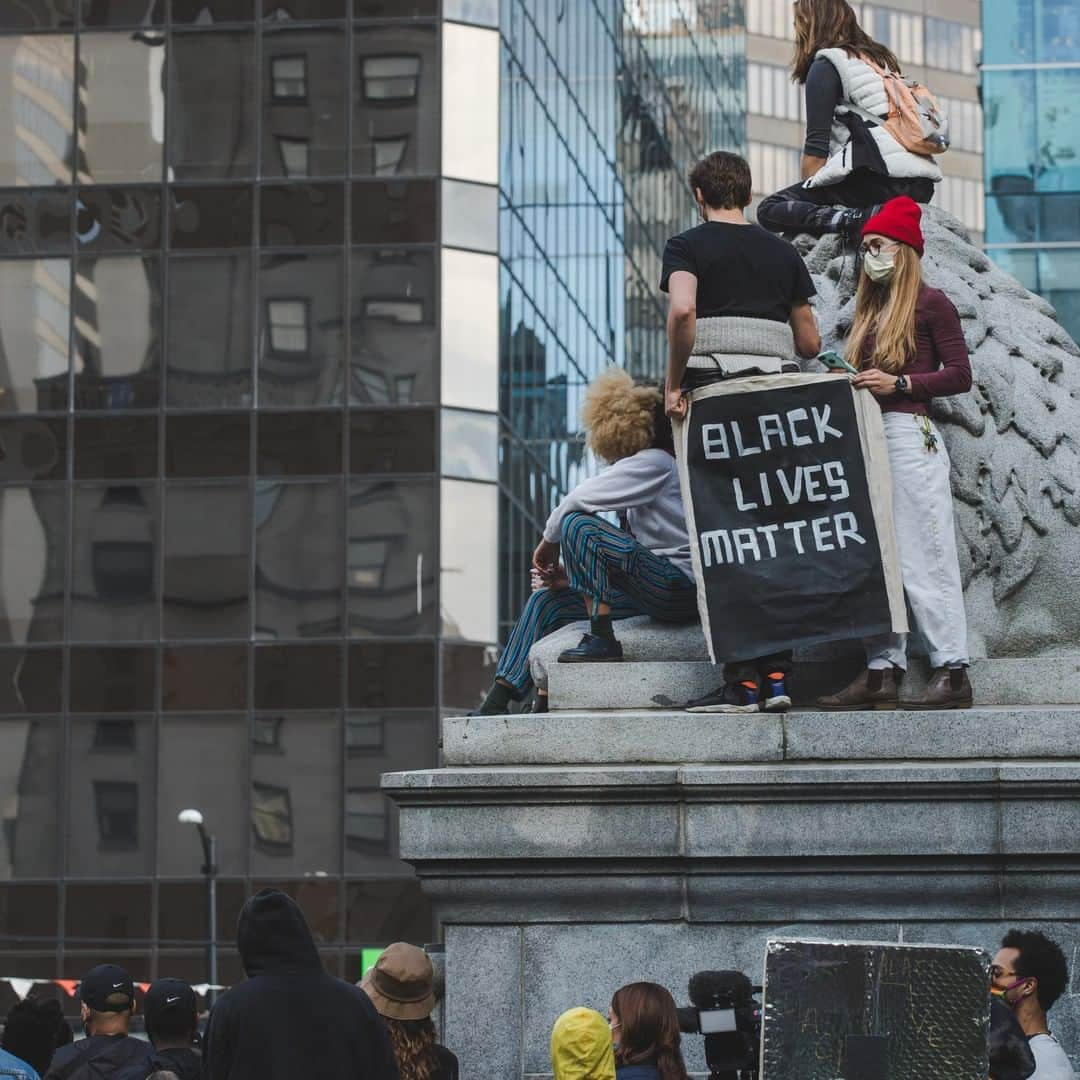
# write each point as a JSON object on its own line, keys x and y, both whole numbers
{"x": 169, "y": 996}
{"x": 104, "y": 982}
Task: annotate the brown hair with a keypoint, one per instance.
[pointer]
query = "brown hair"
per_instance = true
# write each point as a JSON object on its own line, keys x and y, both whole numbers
{"x": 887, "y": 310}
{"x": 831, "y": 24}
{"x": 414, "y": 1047}
{"x": 648, "y": 1032}
{"x": 724, "y": 180}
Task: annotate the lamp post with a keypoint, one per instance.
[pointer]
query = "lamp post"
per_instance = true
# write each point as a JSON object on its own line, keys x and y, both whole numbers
{"x": 209, "y": 869}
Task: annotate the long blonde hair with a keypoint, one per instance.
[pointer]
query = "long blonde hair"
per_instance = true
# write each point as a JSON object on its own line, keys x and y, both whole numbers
{"x": 414, "y": 1047}
{"x": 887, "y": 311}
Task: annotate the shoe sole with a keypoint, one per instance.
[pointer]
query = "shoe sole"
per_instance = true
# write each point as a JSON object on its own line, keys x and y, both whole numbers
{"x": 952, "y": 705}
{"x": 879, "y": 706}
{"x": 589, "y": 659}
{"x": 722, "y": 708}
{"x": 780, "y": 703}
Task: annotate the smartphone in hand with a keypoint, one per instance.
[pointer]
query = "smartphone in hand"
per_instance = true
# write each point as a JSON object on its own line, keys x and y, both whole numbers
{"x": 835, "y": 362}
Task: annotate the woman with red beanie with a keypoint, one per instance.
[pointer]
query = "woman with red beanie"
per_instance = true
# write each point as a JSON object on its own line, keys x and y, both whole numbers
{"x": 908, "y": 345}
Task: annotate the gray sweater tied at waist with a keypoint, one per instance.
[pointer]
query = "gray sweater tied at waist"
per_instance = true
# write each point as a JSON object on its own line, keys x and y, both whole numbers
{"x": 739, "y": 345}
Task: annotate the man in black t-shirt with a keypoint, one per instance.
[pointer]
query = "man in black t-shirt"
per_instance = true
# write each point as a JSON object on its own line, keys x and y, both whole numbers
{"x": 727, "y": 269}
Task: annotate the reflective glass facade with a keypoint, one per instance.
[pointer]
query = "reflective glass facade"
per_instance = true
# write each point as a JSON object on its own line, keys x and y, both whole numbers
{"x": 298, "y": 299}
{"x": 605, "y": 105}
{"x": 1031, "y": 95}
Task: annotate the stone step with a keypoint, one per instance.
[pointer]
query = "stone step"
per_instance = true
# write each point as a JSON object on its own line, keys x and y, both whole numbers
{"x": 987, "y": 734}
{"x": 634, "y": 684}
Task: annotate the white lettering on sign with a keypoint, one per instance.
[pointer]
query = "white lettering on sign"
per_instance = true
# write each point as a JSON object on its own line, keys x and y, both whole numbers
{"x": 744, "y": 438}
{"x": 720, "y": 547}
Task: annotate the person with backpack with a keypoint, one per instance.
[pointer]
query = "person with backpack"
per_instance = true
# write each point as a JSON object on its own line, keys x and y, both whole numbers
{"x": 107, "y": 994}
{"x": 401, "y": 986}
{"x": 908, "y": 345}
{"x": 172, "y": 1020}
{"x": 871, "y": 135}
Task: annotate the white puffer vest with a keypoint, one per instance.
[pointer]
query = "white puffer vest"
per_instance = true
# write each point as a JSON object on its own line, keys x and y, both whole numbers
{"x": 864, "y": 87}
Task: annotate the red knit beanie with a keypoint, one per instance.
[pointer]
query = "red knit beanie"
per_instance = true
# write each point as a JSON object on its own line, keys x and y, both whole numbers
{"x": 899, "y": 219}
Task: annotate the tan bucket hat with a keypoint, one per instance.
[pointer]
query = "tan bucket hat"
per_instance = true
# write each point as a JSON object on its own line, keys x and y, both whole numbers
{"x": 401, "y": 984}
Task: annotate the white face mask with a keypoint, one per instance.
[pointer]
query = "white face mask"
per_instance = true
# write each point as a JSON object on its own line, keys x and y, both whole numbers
{"x": 880, "y": 267}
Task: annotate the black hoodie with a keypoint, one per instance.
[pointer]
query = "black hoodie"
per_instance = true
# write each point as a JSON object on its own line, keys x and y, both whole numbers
{"x": 290, "y": 1020}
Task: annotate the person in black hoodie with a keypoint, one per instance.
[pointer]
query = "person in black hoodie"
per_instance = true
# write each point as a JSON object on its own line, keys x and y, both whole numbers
{"x": 172, "y": 1018}
{"x": 290, "y": 1019}
{"x": 108, "y": 1002}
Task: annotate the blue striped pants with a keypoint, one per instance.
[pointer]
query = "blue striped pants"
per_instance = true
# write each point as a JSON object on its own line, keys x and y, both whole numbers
{"x": 603, "y": 563}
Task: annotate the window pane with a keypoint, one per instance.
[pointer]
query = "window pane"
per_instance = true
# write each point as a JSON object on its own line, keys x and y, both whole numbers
{"x": 33, "y": 448}
{"x": 31, "y": 681}
{"x": 302, "y": 337}
{"x": 31, "y": 756}
{"x": 392, "y": 676}
{"x": 204, "y": 678}
{"x": 182, "y": 783}
{"x": 299, "y": 443}
{"x": 207, "y": 560}
{"x": 210, "y": 217}
{"x": 292, "y": 787}
{"x": 392, "y": 441}
{"x": 378, "y": 742}
{"x": 111, "y": 794}
{"x": 36, "y": 105}
{"x": 470, "y": 108}
{"x": 114, "y": 573}
{"x": 307, "y": 214}
{"x": 380, "y": 912}
{"x": 212, "y": 105}
{"x": 208, "y": 444}
{"x": 1058, "y": 118}
{"x": 101, "y": 914}
{"x": 299, "y": 560}
{"x": 35, "y": 222}
{"x": 470, "y": 445}
{"x": 303, "y": 9}
{"x": 123, "y": 100}
{"x": 297, "y": 676}
{"x": 33, "y": 530}
{"x": 35, "y": 15}
{"x": 209, "y": 351}
{"x": 123, "y": 12}
{"x": 481, "y": 12}
{"x": 469, "y": 556}
{"x": 305, "y": 100}
{"x": 398, "y": 212}
{"x": 467, "y": 674}
{"x": 393, "y": 327}
{"x": 116, "y": 447}
{"x": 34, "y": 318}
{"x": 397, "y": 100}
{"x": 470, "y": 330}
{"x": 391, "y": 558}
{"x": 212, "y": 11}
{"x": 117, "y": 332}
{"x": 118, "y": 219}
{"x": 470, "y": 215}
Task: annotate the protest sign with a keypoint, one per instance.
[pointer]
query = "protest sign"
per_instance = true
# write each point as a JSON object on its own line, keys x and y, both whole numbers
{"x": 788, "y": 498}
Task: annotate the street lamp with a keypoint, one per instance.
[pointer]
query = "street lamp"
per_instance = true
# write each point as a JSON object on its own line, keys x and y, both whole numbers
{"x": 209, "y": 869}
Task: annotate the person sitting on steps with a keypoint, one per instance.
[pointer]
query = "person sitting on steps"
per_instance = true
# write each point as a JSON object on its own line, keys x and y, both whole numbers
{"x": 607, "y": 573}
{"x": 850, "y": 166}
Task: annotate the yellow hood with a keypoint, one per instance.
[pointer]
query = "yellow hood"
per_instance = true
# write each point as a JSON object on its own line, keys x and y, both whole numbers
{"x": 581, "y": 1047}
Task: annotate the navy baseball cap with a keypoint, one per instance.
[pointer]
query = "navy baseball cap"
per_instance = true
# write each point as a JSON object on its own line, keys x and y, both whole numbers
{"x": 103, "y": 988}
{"x": 168, "y": 996}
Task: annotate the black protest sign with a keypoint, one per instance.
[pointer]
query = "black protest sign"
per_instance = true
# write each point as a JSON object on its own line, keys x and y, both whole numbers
{"x": 780, "y": 511}
{"x": 867, "y": 1011}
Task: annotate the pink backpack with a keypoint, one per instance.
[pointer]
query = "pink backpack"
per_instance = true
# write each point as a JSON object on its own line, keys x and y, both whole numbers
{"x": 916, "y": 119}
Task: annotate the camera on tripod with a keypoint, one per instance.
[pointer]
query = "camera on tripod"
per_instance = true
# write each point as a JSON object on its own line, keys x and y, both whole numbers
{"x": 725, "y": 1011}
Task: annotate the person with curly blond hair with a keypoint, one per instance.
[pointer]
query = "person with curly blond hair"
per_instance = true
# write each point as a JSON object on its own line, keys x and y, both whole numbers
{"x": 588, "y": 568}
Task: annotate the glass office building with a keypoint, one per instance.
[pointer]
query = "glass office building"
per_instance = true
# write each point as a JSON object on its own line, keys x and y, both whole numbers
{"x": 1031, "y": 98}
{"x": 298, "y": 299}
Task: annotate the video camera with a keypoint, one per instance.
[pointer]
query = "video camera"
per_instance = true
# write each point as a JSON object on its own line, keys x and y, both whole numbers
{"x": 725, "y": 1012}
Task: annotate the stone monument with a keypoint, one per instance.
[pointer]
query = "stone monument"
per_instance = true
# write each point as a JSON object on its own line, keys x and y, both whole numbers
{"x": 617, "y": 838}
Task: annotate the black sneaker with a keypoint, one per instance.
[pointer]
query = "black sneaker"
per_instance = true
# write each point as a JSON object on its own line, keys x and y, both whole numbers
{"x": 777, "y": 698}
{"x": 851, "y": 224}
{"x": 729, "y": 698}
{"x": 592, "y": 649}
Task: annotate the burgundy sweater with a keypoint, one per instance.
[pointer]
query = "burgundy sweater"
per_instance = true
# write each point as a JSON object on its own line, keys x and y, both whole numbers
{"x": 940, "y": 366}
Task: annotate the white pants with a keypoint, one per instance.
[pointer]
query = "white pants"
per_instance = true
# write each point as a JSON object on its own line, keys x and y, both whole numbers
{"x": 926, "y": 537}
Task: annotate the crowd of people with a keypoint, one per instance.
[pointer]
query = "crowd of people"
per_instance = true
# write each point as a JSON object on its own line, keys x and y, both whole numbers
{"x": 290, "y": 1019}
{"x": 740, "y": 303}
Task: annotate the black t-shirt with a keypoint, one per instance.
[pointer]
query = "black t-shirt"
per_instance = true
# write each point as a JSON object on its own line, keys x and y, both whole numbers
{"x": 740, "y": 270}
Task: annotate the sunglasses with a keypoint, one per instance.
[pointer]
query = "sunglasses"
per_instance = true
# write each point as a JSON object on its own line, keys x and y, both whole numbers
{"x": 876, "y": 247}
